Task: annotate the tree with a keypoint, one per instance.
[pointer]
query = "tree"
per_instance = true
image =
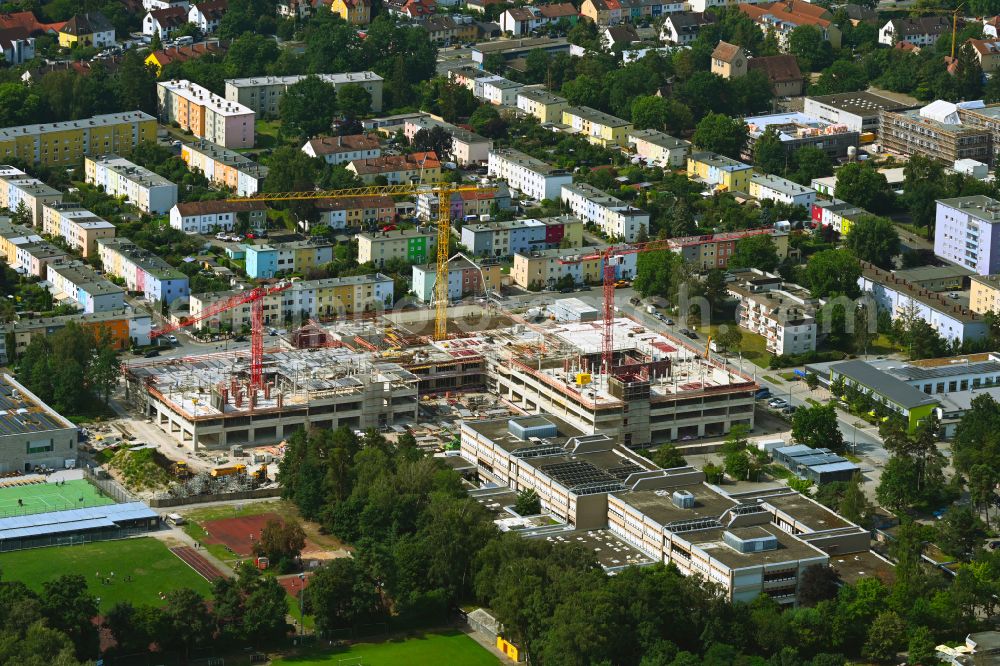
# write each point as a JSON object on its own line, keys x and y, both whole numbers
{"x": 886, "y": 636}
{"x": 861, "y": 184}
{"x": 436, "y": 139}
{"x": 185, "y": 621}
{"x": 528, "y": 503}
{"x": 811, "y": 162}
{"x": 833, "y": 272}
{"x": 668, "y": 457}
{"x": 656, "y": 274}
{"x": 865, "y": 326}
{"x": 69, "y": 607}
{"x": 817, "y": 427}
{"x": 353, "y": 100}
{"x": 585, "y": 90}
{"x": 841, "y": 77}
{"x": 651, "y": 112}
{"x": 21, "y": 215}
{"x": 873, "y": 239}
{"x": 854, "y": 505}
{"x": 769, "y": 153}
{"x": 308, "y": 108}
{"x": 812, "y": 51}
{"x": 729, "y": 338}
{"x": 968, "y": 74}
{"x": 340, "y": 595}
{"x": 921, "y": 648}
{"x": 105, "y": 372}
{"x": 722, "y": 134}
{"x": 812, "y": 381}
{"x": 819, "y": 582}
{"x": 281, "y": 541}
{"x": 960, "y": 532}
{"x": 486, "y": 120}
{"x": 757, "y": 251}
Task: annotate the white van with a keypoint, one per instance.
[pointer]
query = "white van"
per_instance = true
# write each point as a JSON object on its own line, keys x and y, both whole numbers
{"x": 174, "y": 519}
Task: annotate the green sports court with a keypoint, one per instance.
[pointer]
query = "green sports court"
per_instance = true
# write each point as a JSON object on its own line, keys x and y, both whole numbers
{"x": 47, "y": 496}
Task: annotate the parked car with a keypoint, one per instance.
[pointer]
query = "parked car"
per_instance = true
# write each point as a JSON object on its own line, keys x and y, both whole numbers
{"x": 690, "y": 334}
{"x": 777, "y": 403}
{"x": 762, "y": 393}
{"x": 172, "y": 338}
{"x": 790, "y": 409}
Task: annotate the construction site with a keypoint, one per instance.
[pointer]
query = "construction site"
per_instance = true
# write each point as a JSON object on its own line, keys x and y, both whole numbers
{"x": 380, "y": 373}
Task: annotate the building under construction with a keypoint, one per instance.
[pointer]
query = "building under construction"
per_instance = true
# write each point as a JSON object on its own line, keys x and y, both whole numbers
{"x": 207, "y": 401}
{"x": 371, "y": 373}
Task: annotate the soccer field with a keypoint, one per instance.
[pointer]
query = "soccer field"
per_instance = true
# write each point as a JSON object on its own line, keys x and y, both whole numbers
{"x": 153, "y": 568}
{"x": 452, "y": 648}
{"x": 42, "y": 497}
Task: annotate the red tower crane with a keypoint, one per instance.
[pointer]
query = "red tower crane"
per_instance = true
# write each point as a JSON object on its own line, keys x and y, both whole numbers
{"x": 608, "y": 278}
{"x": 255, "y": 297}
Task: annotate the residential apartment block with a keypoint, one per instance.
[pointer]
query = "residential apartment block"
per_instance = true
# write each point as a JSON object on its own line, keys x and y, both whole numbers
{"x": 719, "y": 171}
{"x": 268, "y": 261}
{"x": 25, "y": 250}
{"x": 546, "y": 106}
{"x": 465, "y": 206}
{"x": 501, "y": 92}
{"x": 225, "y": 167}
{"x": 466, "y": 147}
{"x": 205, "y": 114}
{"x": 900, "y": 297}
{"x": 142, "y": 270}
{"x": 784, "y": 314}
{"x": 783, "y": 17}
{"x": 76, "y": 225}
{"x": 837, "y": 214}
{"x": 714, "y": 250}
{"x": 967, "y": 232}
{"x": 658, "y": 148}
{"x": 505, "y": 239}
{"x": 597, "y": 127}
{"x": 411, "y": 245}
{"x": 775, "y": 188}
{"x": 464, "y": 278}
{"x": 532, "y": 177}
{"x": 611, "y": 215}
{"x": 340, "y": 149}
{"x": 147, "y": 191}
{"x": 17, "y": 188}
{"x": 262, "y": 94}
{"x": 122, "y": 329}
{"x": 545, "y": 268}
{"x": 80, "y": 284}
{"x": 304, "y": 300}
{"x": 66, "y": 143}
{"x": 915, "y": 30}
{"x": 984, "y": 294}
{"x": 209, "y": 217}
{"x": 352, "y": 212}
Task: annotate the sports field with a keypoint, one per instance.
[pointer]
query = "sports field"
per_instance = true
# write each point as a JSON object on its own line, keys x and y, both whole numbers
{"x": 452, "y": 648}
{"x": 42, "y": 497}
{"x": 153, "y": 568}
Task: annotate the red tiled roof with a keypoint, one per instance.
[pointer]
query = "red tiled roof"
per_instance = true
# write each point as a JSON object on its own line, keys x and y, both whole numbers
{"x": 29, "y": 22}
{"x": 791, "y": 11}
{"x": 170, "y": 17}
{"x": 331, "y": 145}
{"x": 725, "y": 51}
{"x": 557, "y": 10}
{"x": 185, "y": 53}
{"x": 779, "y": 68}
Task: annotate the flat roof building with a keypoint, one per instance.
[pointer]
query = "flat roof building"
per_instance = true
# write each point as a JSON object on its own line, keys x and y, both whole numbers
{"x": 858, "y": 111}
{"x": 31, "y": 432}
{"x": 118, "y": 177}
{"x": 225, "y": 167}
{"x": 614, "y": 217}
{"x": 205, "y": 114}
{"x": 65, "y": 143}
{"x": 797, "y": 129}
{"x": 528, "y": 175}
{"x": 967, "y": 232}
{"x": 86, "y": 289}
{"x": 263, "y": 94}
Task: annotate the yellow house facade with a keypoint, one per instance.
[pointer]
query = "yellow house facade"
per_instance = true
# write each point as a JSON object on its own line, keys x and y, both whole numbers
{"x": 355, "y": 12}
{"x": 723, "y": 173}
{"x": 67, "y": 142}
{"x": 599, "y": 128}
{"x": 984, "y": 295}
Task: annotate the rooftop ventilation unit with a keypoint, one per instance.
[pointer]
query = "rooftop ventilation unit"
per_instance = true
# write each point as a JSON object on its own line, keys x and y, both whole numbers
{"x": 683, "y": 499}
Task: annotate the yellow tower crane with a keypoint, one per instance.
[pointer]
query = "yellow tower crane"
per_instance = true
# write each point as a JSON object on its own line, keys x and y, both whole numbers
{"x": 443, "y": 192}
{"x": 934, "y": 10}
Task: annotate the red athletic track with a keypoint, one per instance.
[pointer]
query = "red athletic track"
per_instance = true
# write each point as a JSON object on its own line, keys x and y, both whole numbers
{"x": 198, "y": 562}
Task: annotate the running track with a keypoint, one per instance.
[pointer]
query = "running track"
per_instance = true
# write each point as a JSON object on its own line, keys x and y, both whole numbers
{"x": 198, "y": 562}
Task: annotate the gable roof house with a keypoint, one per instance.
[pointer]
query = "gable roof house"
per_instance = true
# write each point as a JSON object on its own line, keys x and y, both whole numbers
{"x": 90, "y": 29}
{"x": 208, "y": 15}
{"x": 784, "y": 16}
{"x": 615, "y": 37}
{"x": 683, "y": 27}
{"x": 729, "y": 60}
{"x": 919, "y": 31}
{"x": 18, "y": 46}
{"x": 164, "y": 21}
{"x": 782, "y": 71}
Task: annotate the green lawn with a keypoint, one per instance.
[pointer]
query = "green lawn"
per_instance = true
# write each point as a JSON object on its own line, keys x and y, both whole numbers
{"x": 453, "y": 648}
{"x": 43, "y": 497}
{"x": 153, "y": 567}
{"x": 753, "y": 346}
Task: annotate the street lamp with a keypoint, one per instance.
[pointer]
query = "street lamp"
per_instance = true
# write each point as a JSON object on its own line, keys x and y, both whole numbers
{"x": 302, "y": 589}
